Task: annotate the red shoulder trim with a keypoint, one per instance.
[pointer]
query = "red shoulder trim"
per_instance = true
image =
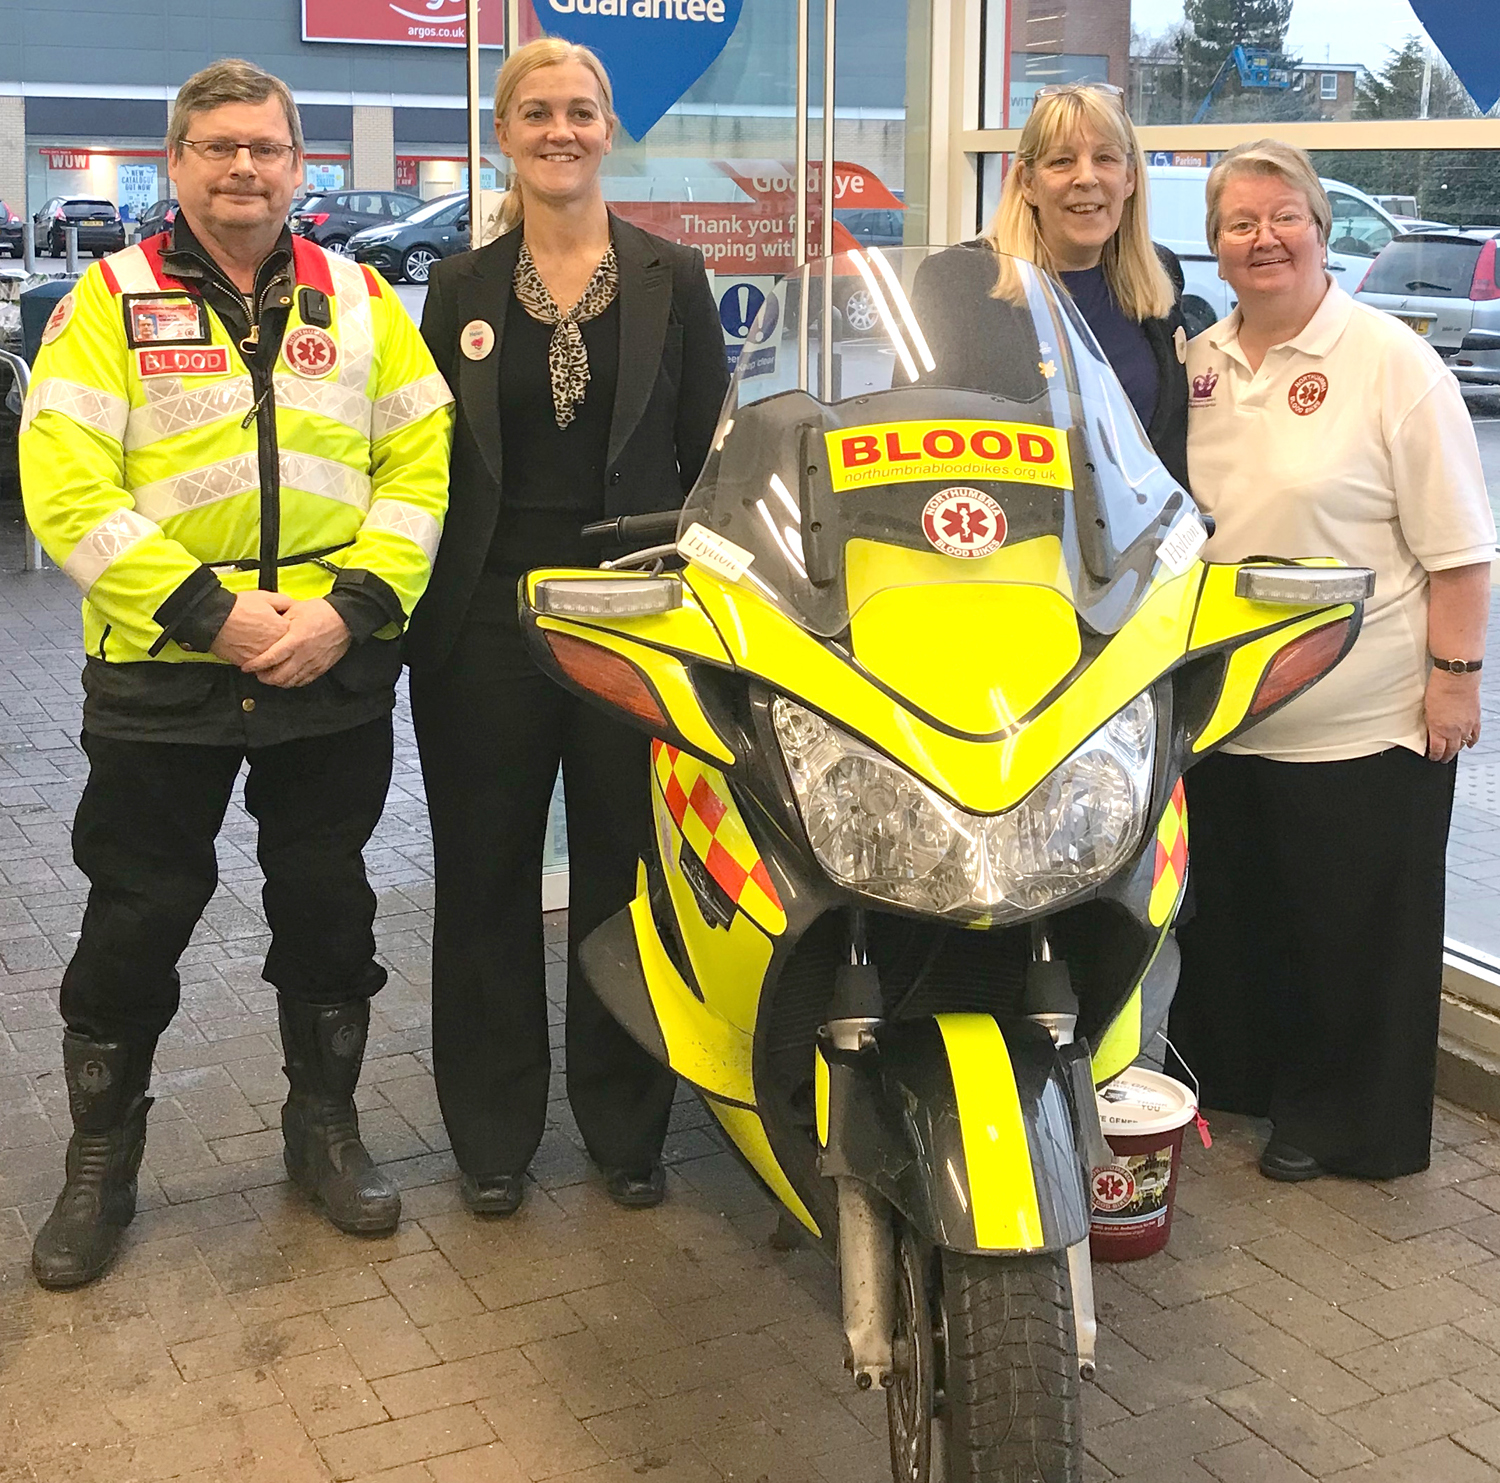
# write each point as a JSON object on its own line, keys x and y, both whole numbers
{"x": 372, "y": 281}
{"x": 153, "y": 248}
{"x": 311, "y": 265}
{"x": 108, "y": 275}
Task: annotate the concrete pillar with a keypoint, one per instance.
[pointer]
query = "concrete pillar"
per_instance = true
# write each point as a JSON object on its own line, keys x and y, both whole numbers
{"x": 13, "y": 154}
{"x": 374, "y": 149}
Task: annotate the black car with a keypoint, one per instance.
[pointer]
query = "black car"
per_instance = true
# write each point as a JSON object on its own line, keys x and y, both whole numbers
{"x": 10, "y": 232}
{"x": 333, "y": 218}
{"x": 408, "y": 248}
{"x": 158, "y": 217}
{"x": 100, "y": 229}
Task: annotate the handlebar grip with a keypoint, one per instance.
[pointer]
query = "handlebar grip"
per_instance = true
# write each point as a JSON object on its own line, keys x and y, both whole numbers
{"x": 626, "y": 530}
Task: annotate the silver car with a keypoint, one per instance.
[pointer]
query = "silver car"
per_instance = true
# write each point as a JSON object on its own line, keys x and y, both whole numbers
{"x": 1443, "y": 284}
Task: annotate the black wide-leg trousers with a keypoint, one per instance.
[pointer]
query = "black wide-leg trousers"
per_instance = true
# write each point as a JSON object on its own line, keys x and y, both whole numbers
{"x": 144, "y": 836}
{"x": 1312, "y": 965}
{"x": 491, "y": 733}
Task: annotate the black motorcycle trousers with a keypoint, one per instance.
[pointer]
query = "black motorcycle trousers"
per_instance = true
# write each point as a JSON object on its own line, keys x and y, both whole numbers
{"x": 144, "y": 836}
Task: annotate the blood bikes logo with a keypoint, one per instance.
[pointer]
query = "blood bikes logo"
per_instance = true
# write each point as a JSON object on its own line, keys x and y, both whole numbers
{"x": 990, "y": 452}
{"x": 964, "y": 522}
{"x": 1112, "y": 1187}
{"x": 57, "y": 321}
{"x": 1307, "y": 393}
{"x": 310, "y": 351}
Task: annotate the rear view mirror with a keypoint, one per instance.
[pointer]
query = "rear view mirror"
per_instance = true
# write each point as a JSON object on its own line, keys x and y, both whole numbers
{"x": 1304, "y": 586}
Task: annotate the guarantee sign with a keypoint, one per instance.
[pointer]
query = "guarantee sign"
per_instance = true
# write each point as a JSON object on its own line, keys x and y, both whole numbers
{"x": 960, "y": 449}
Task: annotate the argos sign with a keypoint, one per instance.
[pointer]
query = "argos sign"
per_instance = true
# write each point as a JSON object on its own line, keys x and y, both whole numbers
{"x": 402, "y": 22}
{"x": 654, "y": 50}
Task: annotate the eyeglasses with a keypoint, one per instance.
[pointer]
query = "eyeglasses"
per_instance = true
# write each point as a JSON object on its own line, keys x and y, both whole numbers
{"x": 1065, "y": 89}
{"x": 1283, "y": 224}
{"x": 221, "y": 151}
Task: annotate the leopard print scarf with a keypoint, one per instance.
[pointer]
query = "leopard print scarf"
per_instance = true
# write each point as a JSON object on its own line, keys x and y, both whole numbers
{"x": 567, "y": 356}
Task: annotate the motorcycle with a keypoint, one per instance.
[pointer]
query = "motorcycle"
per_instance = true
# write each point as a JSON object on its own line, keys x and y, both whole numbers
{"x": 936, "y": 646}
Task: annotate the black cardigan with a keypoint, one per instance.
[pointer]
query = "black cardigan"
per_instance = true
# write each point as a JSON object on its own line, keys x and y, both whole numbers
{"x": 672, "y": 379}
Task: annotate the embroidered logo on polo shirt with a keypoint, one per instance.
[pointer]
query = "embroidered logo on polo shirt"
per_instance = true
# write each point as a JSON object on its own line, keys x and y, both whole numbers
{"x": 1307, "y": 393}
{"x": 1203, "y": 389}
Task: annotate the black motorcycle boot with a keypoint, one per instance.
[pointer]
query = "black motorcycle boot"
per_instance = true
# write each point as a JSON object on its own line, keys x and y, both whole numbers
{"x": 107, "y": 1083}
{"x": 324, "y": 1047}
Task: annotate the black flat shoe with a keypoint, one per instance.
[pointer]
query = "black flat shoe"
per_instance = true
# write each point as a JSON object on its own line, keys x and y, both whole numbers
{"x": 636, "y": 1191}
{"x": 1288, "y": 1164}
{"x": 493, "y": 1194}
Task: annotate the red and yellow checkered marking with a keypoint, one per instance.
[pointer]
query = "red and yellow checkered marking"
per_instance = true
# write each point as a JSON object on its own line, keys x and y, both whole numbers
{"x": 698, "y": 799}
{"x": 1171, "y": 858}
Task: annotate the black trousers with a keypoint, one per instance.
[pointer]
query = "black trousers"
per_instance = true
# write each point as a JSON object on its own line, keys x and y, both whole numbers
{"x": 492, "y": 730}
{"x": 144, "y": 835}
{"x": 1312, "y": 967}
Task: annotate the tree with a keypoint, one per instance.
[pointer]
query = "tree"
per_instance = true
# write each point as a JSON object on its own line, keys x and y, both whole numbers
{"x": 1396, "y": 90}
{"x": 1450, "y": 185}
{"x": 1174, "y": 71}
{"x": 1215, "y": 27}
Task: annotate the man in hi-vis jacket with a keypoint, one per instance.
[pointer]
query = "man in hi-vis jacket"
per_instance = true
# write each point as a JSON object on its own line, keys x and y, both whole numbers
{"x": 237, "y": 446}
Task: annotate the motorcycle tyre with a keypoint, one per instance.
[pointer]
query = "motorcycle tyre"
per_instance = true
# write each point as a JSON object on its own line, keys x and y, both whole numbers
{"x": 1012, "y": 1397}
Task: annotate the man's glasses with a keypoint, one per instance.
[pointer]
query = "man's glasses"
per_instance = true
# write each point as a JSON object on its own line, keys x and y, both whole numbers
{"x": 221, "y": 151}
{"x": 1283, "y": 224}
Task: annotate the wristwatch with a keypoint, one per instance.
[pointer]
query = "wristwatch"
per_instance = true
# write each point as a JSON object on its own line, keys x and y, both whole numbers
{"x": 1459, "y": 666}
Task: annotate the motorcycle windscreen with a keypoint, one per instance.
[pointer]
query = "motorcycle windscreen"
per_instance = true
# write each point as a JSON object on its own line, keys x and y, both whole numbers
{"x": 963, "y": 427}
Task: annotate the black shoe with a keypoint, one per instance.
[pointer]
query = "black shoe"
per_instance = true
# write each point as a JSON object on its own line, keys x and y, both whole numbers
{"x": 493, "y": 1194}
{"x": 107, "y": 1083}
{"x": 1290, "y": 1165}
{"x": 325, "y": 1046}
{"x": 636, "y": 1191}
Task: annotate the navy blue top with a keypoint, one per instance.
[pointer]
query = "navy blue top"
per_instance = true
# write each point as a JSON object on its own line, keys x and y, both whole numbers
{"x": 1122, "y": 340}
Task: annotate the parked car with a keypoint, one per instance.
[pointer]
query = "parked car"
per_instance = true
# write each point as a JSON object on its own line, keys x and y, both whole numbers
{"x": 331, "y": 220}
{"x": 407, "y": 249}
{"x": 100, "y": 229}
{"x": 10, "y": 232}
{"x": 876, "y": 226}
{"x": 1361, "y": 227}
{"x": 159, "y": 216}
{"x": 1443, "y": 284}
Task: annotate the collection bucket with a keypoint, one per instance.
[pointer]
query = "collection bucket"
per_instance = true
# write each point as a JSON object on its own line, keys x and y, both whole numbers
{"x": 1143, "y": 1114}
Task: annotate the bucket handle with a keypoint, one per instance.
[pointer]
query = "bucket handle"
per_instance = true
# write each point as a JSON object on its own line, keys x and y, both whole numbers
{"x": 1199, "y": 1121}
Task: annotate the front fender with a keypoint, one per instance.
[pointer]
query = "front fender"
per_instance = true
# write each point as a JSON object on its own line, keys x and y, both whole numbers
{"x": 967, "y": 1129}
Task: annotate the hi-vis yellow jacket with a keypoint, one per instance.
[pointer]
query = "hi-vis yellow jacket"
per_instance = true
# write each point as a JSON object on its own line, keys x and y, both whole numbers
{"x": 152, "y": 475}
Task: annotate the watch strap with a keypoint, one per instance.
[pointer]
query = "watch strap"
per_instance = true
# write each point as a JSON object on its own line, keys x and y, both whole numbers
{"x": 1459, "y": 666}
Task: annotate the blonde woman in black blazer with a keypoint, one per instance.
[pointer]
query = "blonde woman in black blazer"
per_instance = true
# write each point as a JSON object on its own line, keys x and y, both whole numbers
{"x": 588, "y": 365}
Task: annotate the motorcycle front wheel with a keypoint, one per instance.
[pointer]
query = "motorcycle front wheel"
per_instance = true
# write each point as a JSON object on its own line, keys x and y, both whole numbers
{"x": 997, "y": 1370}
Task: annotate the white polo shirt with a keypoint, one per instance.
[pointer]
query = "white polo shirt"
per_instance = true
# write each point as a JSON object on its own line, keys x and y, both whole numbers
{"x": 1352, "y": 440}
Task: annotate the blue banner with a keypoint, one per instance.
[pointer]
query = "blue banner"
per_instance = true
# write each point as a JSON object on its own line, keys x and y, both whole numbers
{"x": 1467, "y": 34}
{"x": 654, "y": 50}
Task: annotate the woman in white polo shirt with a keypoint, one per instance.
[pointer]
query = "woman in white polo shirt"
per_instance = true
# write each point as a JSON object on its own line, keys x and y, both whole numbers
{"x": 1316, "y": 426}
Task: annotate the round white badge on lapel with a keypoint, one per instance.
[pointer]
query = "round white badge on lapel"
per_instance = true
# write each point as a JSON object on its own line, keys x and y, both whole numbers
{"x": 1179, "y": 342}
{"x": 477, "y": 339}
{"x": 310, "y": 351}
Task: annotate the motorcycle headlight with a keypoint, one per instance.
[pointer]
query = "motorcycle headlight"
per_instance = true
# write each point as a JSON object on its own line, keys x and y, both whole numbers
{"x": 877, "y": 829}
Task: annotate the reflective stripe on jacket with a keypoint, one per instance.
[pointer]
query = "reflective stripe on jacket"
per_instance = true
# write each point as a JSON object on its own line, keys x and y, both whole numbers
{"x": 141, "y": 452}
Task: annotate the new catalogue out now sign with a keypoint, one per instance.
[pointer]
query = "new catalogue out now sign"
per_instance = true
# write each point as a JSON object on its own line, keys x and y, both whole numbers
{"x": 400, "y": 22}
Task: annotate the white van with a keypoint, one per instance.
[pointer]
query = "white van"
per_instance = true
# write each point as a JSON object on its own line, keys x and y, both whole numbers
{"x": 1361, "y": 227}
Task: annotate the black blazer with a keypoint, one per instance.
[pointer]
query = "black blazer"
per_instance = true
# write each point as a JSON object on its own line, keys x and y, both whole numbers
{"x": 968, "y": 276}
{"x": 672, "y": 379}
